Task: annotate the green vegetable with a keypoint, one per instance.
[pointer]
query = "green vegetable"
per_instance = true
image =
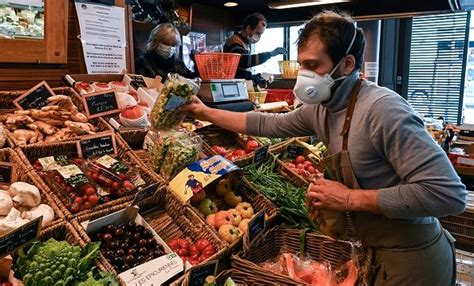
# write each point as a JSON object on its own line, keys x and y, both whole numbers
{"x": 176, "y": 88}
{"x": 100, "y": 279}
{"x": 290, "y": 200}
{"x": 56, "y": 263}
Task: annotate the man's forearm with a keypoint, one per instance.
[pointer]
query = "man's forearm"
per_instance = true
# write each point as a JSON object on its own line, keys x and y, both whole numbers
{"x": 364, "y": 201}
{"x": 233, "y": 121}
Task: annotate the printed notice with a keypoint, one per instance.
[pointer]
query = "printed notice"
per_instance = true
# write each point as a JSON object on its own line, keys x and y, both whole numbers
{"x": 103, "y": 37}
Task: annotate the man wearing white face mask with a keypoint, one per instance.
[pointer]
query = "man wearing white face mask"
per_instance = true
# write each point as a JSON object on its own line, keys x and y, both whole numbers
{"x": 389, "y": 179}
{"x": 161, "y": 55}
{"x": 253, "y": 27}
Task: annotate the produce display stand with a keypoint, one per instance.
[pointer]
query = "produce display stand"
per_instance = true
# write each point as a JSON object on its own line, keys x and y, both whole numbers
{"x": 6, "y": 102}
{"x": 320, "y": 248}
{"x": 23, "y": 174}
{"x": 29, "y": 154}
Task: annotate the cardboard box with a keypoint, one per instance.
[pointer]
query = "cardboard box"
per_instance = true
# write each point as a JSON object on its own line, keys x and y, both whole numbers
{"x": 154, "y": 272}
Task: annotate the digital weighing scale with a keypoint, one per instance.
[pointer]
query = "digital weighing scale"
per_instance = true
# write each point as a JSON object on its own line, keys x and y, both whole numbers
{"x": 228, "y": 94}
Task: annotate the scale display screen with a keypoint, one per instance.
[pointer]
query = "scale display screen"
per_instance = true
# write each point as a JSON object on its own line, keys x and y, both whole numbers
{"x": 230, "y": 90}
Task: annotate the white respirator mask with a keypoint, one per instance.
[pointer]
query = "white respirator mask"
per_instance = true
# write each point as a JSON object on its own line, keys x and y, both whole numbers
{"x": 312, "y": 88}
{"x": 166, "y": 51}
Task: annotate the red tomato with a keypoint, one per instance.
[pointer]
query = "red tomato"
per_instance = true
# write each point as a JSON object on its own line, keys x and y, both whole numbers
{"x": 87, "y": 205}
{"x": 132, "y": 112}
{"x": 75, "y": 208}
{"x": 115, "y": 186}
{"x": 123, "y": 176}
{"x": 299, "y": 159}
{"x": 182, "y": 252}
{"x": 311, "y": 169}
{"x": 184, "y": 243}
{"x": 251, "y": 145}
{"x": 303, "y": 172}
{"x": 89, "y": 191}
{"x": 308, "y": 163}
{"x": 173, "y": 244}
{"x": 93, "y": 199}
{"x": 239, "y": 153}
{"x": 78, "y": 200}
{"x": 300, "y": 166}
{"x": 219, "y": 150}
{"x": 128, "y": 186}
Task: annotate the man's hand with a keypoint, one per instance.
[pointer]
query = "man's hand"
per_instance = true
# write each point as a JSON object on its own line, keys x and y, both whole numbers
{"x": 278, "y": 51}
{"x": 197, "y": 109}
{"x": 327, "y": 194}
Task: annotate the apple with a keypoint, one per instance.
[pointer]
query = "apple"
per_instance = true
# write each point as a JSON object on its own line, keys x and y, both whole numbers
{"x": 231, "y": 199}
{"x": 236, "y": 215}
{"x": 198, "y": 197}
{"x": 223, "y": 187}
{"x": 207, "y": 207}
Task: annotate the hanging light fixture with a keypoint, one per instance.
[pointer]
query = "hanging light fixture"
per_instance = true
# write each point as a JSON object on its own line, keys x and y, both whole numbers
{"x": 231, "y": 4}
{"x": 286, "y": 4}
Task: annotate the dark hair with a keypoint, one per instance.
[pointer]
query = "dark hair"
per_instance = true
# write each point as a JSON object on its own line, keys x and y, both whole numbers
{"x": 252, "y": 20}
{"x": 335, "y": 30}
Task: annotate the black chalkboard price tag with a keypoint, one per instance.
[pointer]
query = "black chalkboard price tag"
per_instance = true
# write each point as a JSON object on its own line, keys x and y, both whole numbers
{"x": 256, "y": 227}
{"x": 20, "y": 236}
{"x": 146, "y": 193}
{"x": 260, "y": 154}
{"x": 293, "y": 151}
{"x": 199, "y": 273}
{"x": 137, "y": 81}
{"x": 6, "y": 173}
{"x": 35, "y": 98}
{"x": 101, "y": 103}
{"x": 97, "y": 145}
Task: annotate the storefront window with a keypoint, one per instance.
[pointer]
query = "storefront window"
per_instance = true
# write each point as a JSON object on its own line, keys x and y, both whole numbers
{"x": 22, "y": 19}
{"x": 294, "y": 32}
{"x": 271, "y": 39}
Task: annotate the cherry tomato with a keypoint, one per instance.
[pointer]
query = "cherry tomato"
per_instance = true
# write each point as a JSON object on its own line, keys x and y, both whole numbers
{"x": 300, "y": 166}
{"x": 303, "y": 172}
{"x": 69, "y": 189}
{"x": 78, "y": 200}
{"x": 74, "y": 208}
{"x": 89, "y": 191}
{"x": 291, "y": 165}
{"x": 299, "y": 159}
{"x": 311, "y": 169}
{"x": 128, "y": 186}
{"x": 115, "y": 186}
{"x": 123, "y": 176}
{"x": 251, "y": 145}
{"x": 87, "y": 205}
{"x": 93, "y": 199}
{"x": 308, "y": 163}
{"x": 239, "y": 153}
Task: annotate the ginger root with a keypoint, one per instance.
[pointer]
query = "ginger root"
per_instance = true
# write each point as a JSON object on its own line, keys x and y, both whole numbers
{"x": 23, "y": 136}
{"x": 80, "y": 128}
{"x": 46, "y": 128}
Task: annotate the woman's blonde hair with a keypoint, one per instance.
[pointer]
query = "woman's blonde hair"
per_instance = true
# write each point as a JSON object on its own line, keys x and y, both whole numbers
{"x": 161, "y": 33}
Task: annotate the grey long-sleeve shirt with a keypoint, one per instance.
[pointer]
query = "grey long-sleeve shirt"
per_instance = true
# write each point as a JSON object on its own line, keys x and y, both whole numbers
{"x": 389, "y": 147}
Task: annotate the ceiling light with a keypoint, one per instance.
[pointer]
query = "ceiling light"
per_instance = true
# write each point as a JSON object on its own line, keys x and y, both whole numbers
{"x": 285, "y": 4}
{"x": 231, "y": 4}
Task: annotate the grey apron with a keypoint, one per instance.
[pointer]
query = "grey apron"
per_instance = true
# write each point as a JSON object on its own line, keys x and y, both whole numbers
{"x": 404, "y": 253}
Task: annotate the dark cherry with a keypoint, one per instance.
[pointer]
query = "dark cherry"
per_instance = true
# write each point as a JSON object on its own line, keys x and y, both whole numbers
{"x": 131, "y": 225}
{"x": 125, "y": 246}
{"x": 151, "y": 242}
{"x": 140, "y": 228}
{"x": 113, "y": 245}
{"x": 109, "y": 254}
{"x": 142, "y": 242}
{"x": 136, "y": 237}
{"x": 118, "y": 232}
{"x": 140, "y": 258}
{"x": 147, "y": 234}
{"x": 143, "y": 251}
{"x": 120, "y": 252}
{"x": 106, "y": 236}
{"x": 160, "y": 247}
{"x": 98, "y": 235}
{"x": 109, "y": 228}
{"x": 132, "y": 251}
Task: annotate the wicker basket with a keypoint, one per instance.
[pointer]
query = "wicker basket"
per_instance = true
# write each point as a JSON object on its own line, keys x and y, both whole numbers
{"x": 65, "y": 231}
{"x": 25, "y": 175}
{"x": 169, "y": 218}
{"x": 248, "y": 194}
{"x": 280, "y": 240}
{"x": 6, "y": 102}
{"x": 30, "y": 153}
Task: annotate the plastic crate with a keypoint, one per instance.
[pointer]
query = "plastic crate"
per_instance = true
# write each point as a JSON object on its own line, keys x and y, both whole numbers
{"x": 217, "y": 65}
{"x": 274, "y": 95}
{"x": 465, "y": 268}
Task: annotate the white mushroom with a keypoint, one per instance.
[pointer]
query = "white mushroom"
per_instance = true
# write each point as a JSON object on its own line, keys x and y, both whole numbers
{"x": 24, "y": 194}
{"x": 11, "y": 221}
{"x": 42, "y": 210}
{"x": 6, "y": 203}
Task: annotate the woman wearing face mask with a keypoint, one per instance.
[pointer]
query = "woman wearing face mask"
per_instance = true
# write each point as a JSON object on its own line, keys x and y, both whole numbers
{"x": 161, "y": 55}
{"x": 389, "y": 179}
{"x": 252, "y": 29}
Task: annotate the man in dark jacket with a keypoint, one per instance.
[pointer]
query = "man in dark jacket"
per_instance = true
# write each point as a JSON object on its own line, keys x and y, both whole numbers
{"x": 252, "y": 29}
